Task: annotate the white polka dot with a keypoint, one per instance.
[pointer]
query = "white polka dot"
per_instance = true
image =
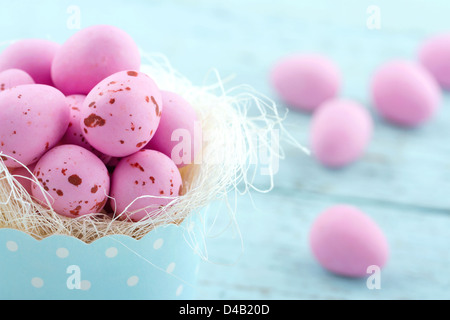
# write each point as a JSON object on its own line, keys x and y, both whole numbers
{"x": 170, "y": 267}
{"x": 111, "y": 252}
{"x": 85, "y": 285}
{"x": 158, "y": 244}
{"x": 62, "y": 253}
{"x": 12, "y": 246}
{"x": 132, "y": 281}
{"x": 37, "y": 282}
{"x": 179, "y": 290}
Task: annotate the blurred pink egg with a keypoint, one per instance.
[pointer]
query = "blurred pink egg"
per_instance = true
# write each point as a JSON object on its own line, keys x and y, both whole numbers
{"x": 434, "y": 54}
{"x": 341, "y": 129}
{"x": 405, "y": 93}
{"x": 346, "y": 241}
{"x": 304, "y": 81}
{"x": 34, "y": 56}
{"x": 11, "y": 78}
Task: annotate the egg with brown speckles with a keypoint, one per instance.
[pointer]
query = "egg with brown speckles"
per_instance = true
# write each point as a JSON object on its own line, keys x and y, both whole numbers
{"x": 121, "y": 114}
{"x": 75, "y": 180}
{"x": 33, "y": 119}
{"x": 143, "y": 183}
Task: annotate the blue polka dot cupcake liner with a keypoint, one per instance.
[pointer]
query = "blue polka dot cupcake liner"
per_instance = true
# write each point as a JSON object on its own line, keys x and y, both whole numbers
{"x": 163, "y": 265}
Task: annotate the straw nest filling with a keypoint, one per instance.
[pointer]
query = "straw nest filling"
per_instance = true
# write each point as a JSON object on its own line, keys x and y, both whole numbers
{"x": 231, "y": 138}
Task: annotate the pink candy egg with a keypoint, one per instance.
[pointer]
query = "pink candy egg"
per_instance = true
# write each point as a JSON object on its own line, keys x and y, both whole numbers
{"x": 304, "y": 81}
{"x": 434, "y": 54}
{"x": 74, "y": 133}
{"x": 34, "y": 118}
{"x": 14, "y": 77}
{"x": 91, "y": 55}
{"x": 77, "y": 182}
{"x": 346, "y": 241}
{"x": 178, "y": 135}
{"x": 34, "y": 56}
{"x": 405, "y": 93}
{"x": 340, "y": 132}
{"x": 145, "y": 173}
{"x": 121, "y": 114}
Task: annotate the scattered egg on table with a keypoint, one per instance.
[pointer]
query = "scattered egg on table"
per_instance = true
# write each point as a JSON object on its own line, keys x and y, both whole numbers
{"x": 434, "y": 55}
{"x": 149, "y": 174}
{"x": 304, "y": 81}
{"x": 346, "y": 241}
{"x": 76, "y": 180}
{"x": 34, "y": 118}
{"x": 340, "y": 132}
{"x": 404, "y": 93}
{"x": 91, "y": 55}
{"x": 34, "y": 56}
{"x": 74, "y": 133}
{"x": 14, "y": 77}
{"x": 178, "y": 135}
{"x": 121, "y": 114}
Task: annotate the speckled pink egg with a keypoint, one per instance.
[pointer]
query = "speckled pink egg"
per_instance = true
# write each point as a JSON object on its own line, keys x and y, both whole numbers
{"x": 74, "y": 133}
{"x": 434, "y": 55}
{"x": 14, "y": 77}
{"x": 304, "y": 81}
{"x": 91, "y": 55}
{"x": 34, "y": 56}
{"x": 145, "y": 173}
{"x": 340, "y": 132}
{"x": 179, "y": 133}
{"x": 77, "y": 181}
{"x": 33, "y": 119}
{"x": 121, "y": 114}
{"x": 346, "y": 241}
{"x": 405, "y": 93}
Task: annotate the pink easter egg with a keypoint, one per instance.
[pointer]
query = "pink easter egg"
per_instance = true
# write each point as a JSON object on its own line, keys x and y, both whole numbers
{"x": 304, "y": 81}
{"x": 34, "y": 56}
{"x": 148, "y": 174}
{"x": 76, "y": 181}
{"x": 179, "y": 134}
{"x": 121, "y": 114}
{"x": 434, "y": 54}
{"x": 405, "y": 93}
{"x": 340, "y": 132}
{"x": 91, "y": 55}
{"x": 14, "y": 77}
{"x": 34, "y": 118}
{"x": 346, "y": 241}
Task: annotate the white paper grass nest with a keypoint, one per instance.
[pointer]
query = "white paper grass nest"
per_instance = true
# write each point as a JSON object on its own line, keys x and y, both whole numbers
{"x": 228, "y": 161}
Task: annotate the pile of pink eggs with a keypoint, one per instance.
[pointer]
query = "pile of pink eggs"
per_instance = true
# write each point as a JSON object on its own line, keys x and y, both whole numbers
{"x": 343, "y": 238}
{"x": 92, "y": 129}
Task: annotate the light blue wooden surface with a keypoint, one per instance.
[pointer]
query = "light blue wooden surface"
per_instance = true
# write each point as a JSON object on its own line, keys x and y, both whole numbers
{"x": 403, "y": 181}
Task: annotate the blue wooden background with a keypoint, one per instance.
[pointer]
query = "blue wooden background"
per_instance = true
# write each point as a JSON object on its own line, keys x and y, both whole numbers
{"x": 403, "y": 181}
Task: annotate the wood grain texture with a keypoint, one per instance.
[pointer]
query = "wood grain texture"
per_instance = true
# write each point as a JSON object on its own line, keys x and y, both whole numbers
{"x": 403, "y": 181}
